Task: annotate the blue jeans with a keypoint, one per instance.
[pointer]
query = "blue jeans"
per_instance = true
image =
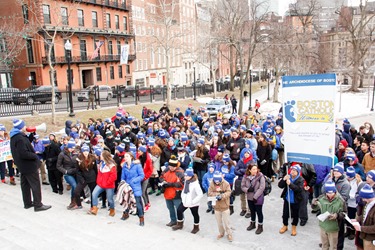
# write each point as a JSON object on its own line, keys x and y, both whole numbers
{"x": 71, "y": 180}
{"x": 109, "y": 191}
{"x": 3, "y": 169}
{"x": 200, "y": 174}
{"x": 172, "y": 206}
{"x": 138, "y": 200}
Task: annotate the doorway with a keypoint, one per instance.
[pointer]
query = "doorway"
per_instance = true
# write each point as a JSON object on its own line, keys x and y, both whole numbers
{"x": 87, "y": 78}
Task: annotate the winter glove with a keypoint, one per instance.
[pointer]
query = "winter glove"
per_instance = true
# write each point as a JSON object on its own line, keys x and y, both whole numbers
{"x": 219, "y": 197}
{"x": 168, "y": 184}
{"x": 263, "y": 162}
{"x": 251, "y": 189}
{"x": 332, "y": 217}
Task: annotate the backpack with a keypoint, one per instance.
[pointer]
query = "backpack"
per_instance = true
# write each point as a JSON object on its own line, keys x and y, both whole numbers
{"x": 274, "y": 154}
{"x": 268, "y": 187}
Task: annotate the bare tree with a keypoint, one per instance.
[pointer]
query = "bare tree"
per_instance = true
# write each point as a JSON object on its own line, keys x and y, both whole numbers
{"x": 358, "y": 22}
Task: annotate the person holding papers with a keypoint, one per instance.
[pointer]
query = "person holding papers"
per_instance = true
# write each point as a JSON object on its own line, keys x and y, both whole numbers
{"x": 332, "y": 207}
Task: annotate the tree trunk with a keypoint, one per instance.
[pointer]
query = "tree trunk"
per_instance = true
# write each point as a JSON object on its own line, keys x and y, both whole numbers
{"x": 167, "y": 79}
{"x": 355, "y": 71}
{"x": 52, "y": 71}
{"x": 214, "y": 82}
{"x": 276, "y": 89}
{"x": 231, "y": 68}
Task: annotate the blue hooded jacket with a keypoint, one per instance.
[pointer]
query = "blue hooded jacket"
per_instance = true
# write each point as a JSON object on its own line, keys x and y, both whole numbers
{"x": 346, "y": 134}
{"x": 133, "y": 176}
{"x": 206, "y": 180}
{"x": 229, "y": 174}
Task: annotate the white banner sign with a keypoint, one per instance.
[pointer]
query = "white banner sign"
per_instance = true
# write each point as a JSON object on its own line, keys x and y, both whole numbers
{"x": 309, "y": 122}
{"x": 124, "y": 54}
{"x": 5, "y": 153}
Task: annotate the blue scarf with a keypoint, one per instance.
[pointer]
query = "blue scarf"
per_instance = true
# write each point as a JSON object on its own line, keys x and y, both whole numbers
{"x": 290, "y": 193}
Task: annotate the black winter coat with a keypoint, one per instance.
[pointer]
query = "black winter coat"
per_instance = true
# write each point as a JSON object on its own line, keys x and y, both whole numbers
{"x": 235, "y": 151}
{"x": 51, "y": 154}
{"x": 308, "y": 173}
{"x": 297, "y": 187}
{"x": 66, "y": 163}
{"x": 87, "y": 174}
{"x": 23, "y": 154}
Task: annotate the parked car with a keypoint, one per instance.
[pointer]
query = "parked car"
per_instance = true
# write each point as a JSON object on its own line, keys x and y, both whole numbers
{"x": 129, "y": 91}
{"x": 6, "y": 94}
{"x": 105, "y": 93}
{"x": 218, "y": 105}
{"x": 145, "y": 91}
{"x": 34, "y": 94}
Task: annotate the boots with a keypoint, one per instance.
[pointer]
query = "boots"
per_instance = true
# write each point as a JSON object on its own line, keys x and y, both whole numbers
{"x": 12, "y": 181}
{"x": 72, "y": 204}
{"x": 178, "y": 226}
{"x": 231, "y": 209}
{"x": 94, "y": 210}
{"x": 251, "y": 227}
{"x": 141, "y": 221}
{"x": 259, "y": 229}
{"x": 112, "y": 212}
{"x": 294, "y": 230}
{"x": 125, "y": 215}
{"x": 283, "y": 229}
{"x": 195, "y": 229}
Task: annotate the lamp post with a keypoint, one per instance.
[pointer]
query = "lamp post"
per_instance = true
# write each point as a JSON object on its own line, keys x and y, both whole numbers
{"x": 251, "y": 80}
{"x": 194, "y": 90}
{"x": 373, "y": 94}
{"x": 268, "y": 90}
{"x": 68, "y": 48}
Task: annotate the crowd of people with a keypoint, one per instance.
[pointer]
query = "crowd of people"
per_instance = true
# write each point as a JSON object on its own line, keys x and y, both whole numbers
{"x": 183, "y": 155}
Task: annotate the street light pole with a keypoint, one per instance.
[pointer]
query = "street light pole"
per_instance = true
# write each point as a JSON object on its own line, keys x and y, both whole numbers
{"x": 251, "y": 80}
{"x": 268, "y": 90}
{"x": 373, "y": 94}
{"x": 194, "y": 90}
{"x": 68, "y": 48}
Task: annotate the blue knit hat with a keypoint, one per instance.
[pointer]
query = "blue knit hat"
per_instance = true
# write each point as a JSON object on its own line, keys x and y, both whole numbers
{"x": 351, "y": 156}
{"x": 183, "y": 137}
{"x": 329, "y": 187}
{"x": 107, "y": 120}
{"x": 201, "y": 140}
{"x": 46, "y": 141}
{"x": 118, "y": 114}
{"x": 140, "y": 135}
{"x": 71, "y": 144}
{"x": 210, "y": 165}
{"x": 217, "y": 178}
{"x": 243, "y": 127}
{"x": 151, "y": 142}
{"x": 371, "y": 174}
{"x": 227, "y": 132}
{"x": 366, "y": 192}
{"x": 350, "y": 172}
{"x": 121, "y": 147}
{"x": 133, "y": 148}
{"x": 226, "y": 158}
{"x": 18, "y": 124}
{"x": 221, "y": 149}
{"x": 196, "y": 131}
{"x": 189, "y": 172}
{"x": 339, "y": 167}
{"x": 2, "y": 127}
{"x": 162, "y": 134}
{"x": 98, "y": 151}
{"x": 297, "y": 168}
{"x": 142, "y": 148}
{"x": 85, "y": 148}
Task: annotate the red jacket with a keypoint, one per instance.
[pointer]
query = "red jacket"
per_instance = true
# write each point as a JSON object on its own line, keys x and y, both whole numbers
{"x": 148, "y": 168}
{"x": 107, "y": 175}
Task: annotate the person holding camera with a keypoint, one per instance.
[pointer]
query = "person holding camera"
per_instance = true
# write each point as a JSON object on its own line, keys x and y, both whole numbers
{"x": 220, "y": 190}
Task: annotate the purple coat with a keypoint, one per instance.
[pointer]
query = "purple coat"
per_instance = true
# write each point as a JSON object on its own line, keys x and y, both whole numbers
{"x": 213, "y": 153}
{"x": 258, "y": 183}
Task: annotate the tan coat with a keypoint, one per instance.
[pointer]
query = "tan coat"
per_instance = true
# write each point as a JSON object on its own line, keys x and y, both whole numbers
{"x": 224, "y": 189}
{"x": 368, "y": 162}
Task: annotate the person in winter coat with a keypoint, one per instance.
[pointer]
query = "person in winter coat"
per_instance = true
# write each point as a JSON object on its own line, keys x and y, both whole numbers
{"x": 168, "y": 151}
{"x": 146, "y": 163}
{"x": 118, "y": 158}
{"x": 240, "y": 171}
{"x": 172, "y": 180}
{"x": 183, "y": 158}
{"x": 86, "y": 174}
{"x": 343, "y": 144}
{"x": 105, "y": 181}
{"x": 264, "y": 156}
{"x": 354, "y": 181}
{"x": 253, "y": 184}
{"x": 227, "y": 171}
{"x": 66, "y": 164}
{"x": 332, "y": 203}
{"x": 5, "y": 137}
{"x": 321, "y": 172}
{"x": 39, "y": 149}
{"x": 27, "y": 163}
{"x": 351, "y": 160}
{"x": 207, "y": 179}
{"x": 366, "y": 218}
{"x": 51, "y": 154}
{"x": 292, "y": 185}
{"x": 155, "y": 153}
{"x": 309, "y": 175}
{"x": 220, "y": 190}
{"x": 369, "y": 158}
{"x": 190, "y": 196}
{"x": 132, "y": 173}
{"x": 365, "y": 148}
{"x": 234, "y": 145}
{"x": 346, "y": 134}
{"x": 200, "y": 159}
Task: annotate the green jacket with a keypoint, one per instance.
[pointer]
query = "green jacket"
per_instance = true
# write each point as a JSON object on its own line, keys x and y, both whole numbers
{"x": 337, "y": 205}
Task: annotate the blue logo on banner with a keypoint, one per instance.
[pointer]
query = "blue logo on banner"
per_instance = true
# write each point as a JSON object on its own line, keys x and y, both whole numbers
{"x": 289, "y": 110}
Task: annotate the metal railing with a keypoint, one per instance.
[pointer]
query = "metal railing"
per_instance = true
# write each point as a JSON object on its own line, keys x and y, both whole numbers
{"x": 28, "y": 102}
{"x": 86, "y": 59}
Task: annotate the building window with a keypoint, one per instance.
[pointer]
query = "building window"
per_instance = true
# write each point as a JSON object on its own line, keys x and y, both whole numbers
{"x": 118, "y": 48}
{"x": 123, "y": 3}
{"x": 108, "y": 20}
{"x": 112, "y": 72}
{"x": 30, "y": 51}
{"x": 82, "y": 47}
{"x": 110, "y": 50}
{"x": 120, "y": 71}
{"x": 117, "y": 22}
{"x": 2, "y": 45}
{"x": 127, "y": 69}
{"x": 64, "y": 16}
{"x": 98, "y": 74}
{"x": 152, "y": 56}
{"x": 46, "y": 14}
{"x": 125, "y": 23}
{"x": 81, "y": 20}
{"x": 25, "y": 13}
{"x": 46, "y": 47}
{"x": 94, "y": 19}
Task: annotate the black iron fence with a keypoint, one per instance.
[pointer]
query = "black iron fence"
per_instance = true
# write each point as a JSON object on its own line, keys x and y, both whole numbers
{"x": 30, "y": 102}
